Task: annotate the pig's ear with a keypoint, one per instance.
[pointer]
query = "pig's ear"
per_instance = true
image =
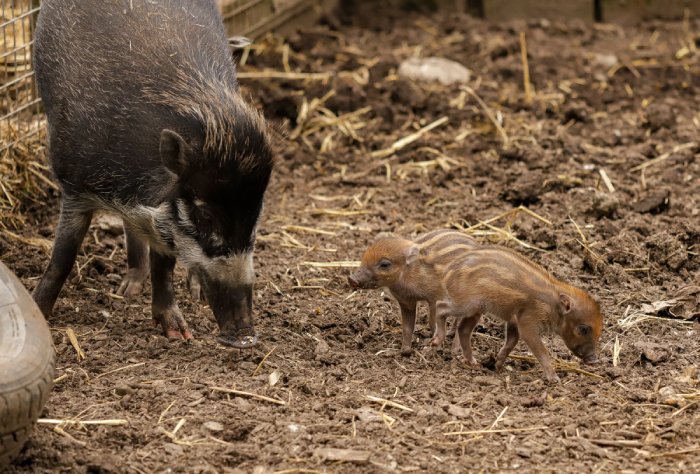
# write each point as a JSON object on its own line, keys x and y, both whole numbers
{"x": 565, "y": 303}
{"x": 412, "y": 254}
{"x": 173, "y": 151}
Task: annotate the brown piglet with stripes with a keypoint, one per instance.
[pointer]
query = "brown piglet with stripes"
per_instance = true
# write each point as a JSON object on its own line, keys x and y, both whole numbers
{"x": 498, "y": 281}
{"x": 412, "y": 271}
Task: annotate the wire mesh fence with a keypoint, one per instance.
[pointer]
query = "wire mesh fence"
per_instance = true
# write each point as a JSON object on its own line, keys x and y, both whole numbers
{"x": 19, "y": 100}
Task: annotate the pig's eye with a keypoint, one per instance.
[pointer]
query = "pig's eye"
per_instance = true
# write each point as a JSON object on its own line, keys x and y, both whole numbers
{"x": 204, "y": 213}
{"x": 384, "y": 264}
{"x": 583, "y": 330}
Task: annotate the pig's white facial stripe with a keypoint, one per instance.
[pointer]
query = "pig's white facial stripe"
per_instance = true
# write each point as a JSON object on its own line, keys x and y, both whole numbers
{"x": 184, "y": 217}
{"x": 236, "y": 269}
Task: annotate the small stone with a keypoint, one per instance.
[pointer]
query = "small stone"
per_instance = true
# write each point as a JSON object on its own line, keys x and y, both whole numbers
{"x": 246, "y": 365}
{"x": 173, "y": 449}
{"x": 346, "y": 455}
{"x": 654, "y": 203}
{"x": 213, "y": 426}
{"x": 322, "y": 348}
{"x": 434, "y": 69}
{"x": 123, "y": 390}
{"x": 523, "y": 452}
{"x": 604, "y": 205}
{"x": 367, "y": 414}
{"x": 110, "y": 224}
{"x": 669, "y": 396}
{"x": 458, "y": 411}
{"x": 274, "y": 377}
{"x": 605, "y": 60}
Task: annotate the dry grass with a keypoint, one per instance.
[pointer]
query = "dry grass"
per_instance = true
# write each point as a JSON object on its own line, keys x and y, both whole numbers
{"x": 25, "y": 178}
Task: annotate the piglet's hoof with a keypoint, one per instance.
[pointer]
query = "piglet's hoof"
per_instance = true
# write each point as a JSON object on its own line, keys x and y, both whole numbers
{"x": 242, "y": 339}
{"x": 406, "y": 351}
{"x": 552, "y": 378}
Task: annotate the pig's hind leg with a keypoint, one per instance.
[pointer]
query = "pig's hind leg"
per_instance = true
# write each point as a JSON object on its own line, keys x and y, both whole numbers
{"x": 512, "y": 336}
{"x": 465, "y": 326}
{"x": 163, "y": 306}
{"x": 137, "y": 261}
{"x": 72, "y": 227}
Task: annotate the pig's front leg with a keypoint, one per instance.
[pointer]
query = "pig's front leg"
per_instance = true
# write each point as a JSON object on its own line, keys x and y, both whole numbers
{"x": 163, "y": 306}
{"x": 528, "y": 328}
{"x": 194, "y": 284}
{"x": 408, "y": 325}
{"x": 137, "y": 263}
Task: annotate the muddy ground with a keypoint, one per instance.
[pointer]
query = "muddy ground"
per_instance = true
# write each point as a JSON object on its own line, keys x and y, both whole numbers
{"x": 606, "y": 99}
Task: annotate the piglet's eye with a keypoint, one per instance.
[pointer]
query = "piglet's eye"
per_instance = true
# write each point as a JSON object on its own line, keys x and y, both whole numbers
{"x": 583, "y": 330}
{"x": 384, "y": 264}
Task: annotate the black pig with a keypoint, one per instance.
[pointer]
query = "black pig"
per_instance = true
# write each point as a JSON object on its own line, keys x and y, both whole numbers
{"x": 145, "y": 119}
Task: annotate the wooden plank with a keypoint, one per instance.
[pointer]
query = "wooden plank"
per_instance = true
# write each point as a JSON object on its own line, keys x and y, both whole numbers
{"x": 501, "y": 10}
{"x": 253, "y": 18}
{"x": 633, "y": 11}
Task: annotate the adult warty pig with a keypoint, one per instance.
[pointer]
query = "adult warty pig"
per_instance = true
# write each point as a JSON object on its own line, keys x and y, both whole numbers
{"x": 145, "y": 119}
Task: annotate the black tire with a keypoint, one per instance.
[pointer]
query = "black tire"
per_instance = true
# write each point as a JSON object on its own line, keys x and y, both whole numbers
{"x": 26, "y": 365}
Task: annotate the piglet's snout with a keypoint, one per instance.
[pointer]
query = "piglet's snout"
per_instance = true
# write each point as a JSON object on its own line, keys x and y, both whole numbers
{"x": 591, "y": 360}
{"x": 353, "y": 281}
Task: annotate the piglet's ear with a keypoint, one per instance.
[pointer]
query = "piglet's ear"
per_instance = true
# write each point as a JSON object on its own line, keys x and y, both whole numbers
{"x": 412, "y": 254}
{"x": 384, "y": 235}
{"x": 173, "y": 151}
{"x": 565, "y": 303}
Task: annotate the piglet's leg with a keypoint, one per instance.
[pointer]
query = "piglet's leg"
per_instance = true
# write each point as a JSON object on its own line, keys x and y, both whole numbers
{"x": 531, "y": 336}
{"x": 431, "y": 316}
{"x": 408, "y": 325}
{"x": 137, "y": 261}
{"x": 163, "y": 306}
{"x": 464, "y": 329}
{"x": 512, "y": 336}
{"x": 456, "y": 343}
{"x": 443, "y": 310}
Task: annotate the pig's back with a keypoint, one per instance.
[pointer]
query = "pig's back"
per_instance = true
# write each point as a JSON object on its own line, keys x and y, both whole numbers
{"x": 107, "y": 51}
{"x": 112, "y": 77}
{"x": 441, "y": 247}
{"x": 499, "y": 277}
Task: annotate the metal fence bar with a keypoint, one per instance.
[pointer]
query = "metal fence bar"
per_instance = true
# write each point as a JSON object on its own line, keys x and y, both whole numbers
{"x": 19, "y": 99}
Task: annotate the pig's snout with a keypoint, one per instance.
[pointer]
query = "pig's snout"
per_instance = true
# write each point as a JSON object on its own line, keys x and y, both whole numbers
{"x": 361, "y": 280}
{"x": 232, "y": 304}
{"x": 239, "y": 339}
{"x": 590, "y": 359}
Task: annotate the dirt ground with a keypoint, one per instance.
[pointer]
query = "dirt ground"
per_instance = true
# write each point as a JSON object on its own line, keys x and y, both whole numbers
{"x": 610, "y": 104}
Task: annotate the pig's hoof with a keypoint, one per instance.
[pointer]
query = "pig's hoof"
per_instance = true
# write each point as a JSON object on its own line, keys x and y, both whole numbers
{"x": 552, "y": 378}
{"x": 178, "y": 334}
{"x": 472, "y": 362}
{"x": 436, "y": 341}
{"x": 244, "y": 340}
{"x": 172, "y": 323}
{"x": 132, "y": 284}
{"x": 406, "y": 351}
